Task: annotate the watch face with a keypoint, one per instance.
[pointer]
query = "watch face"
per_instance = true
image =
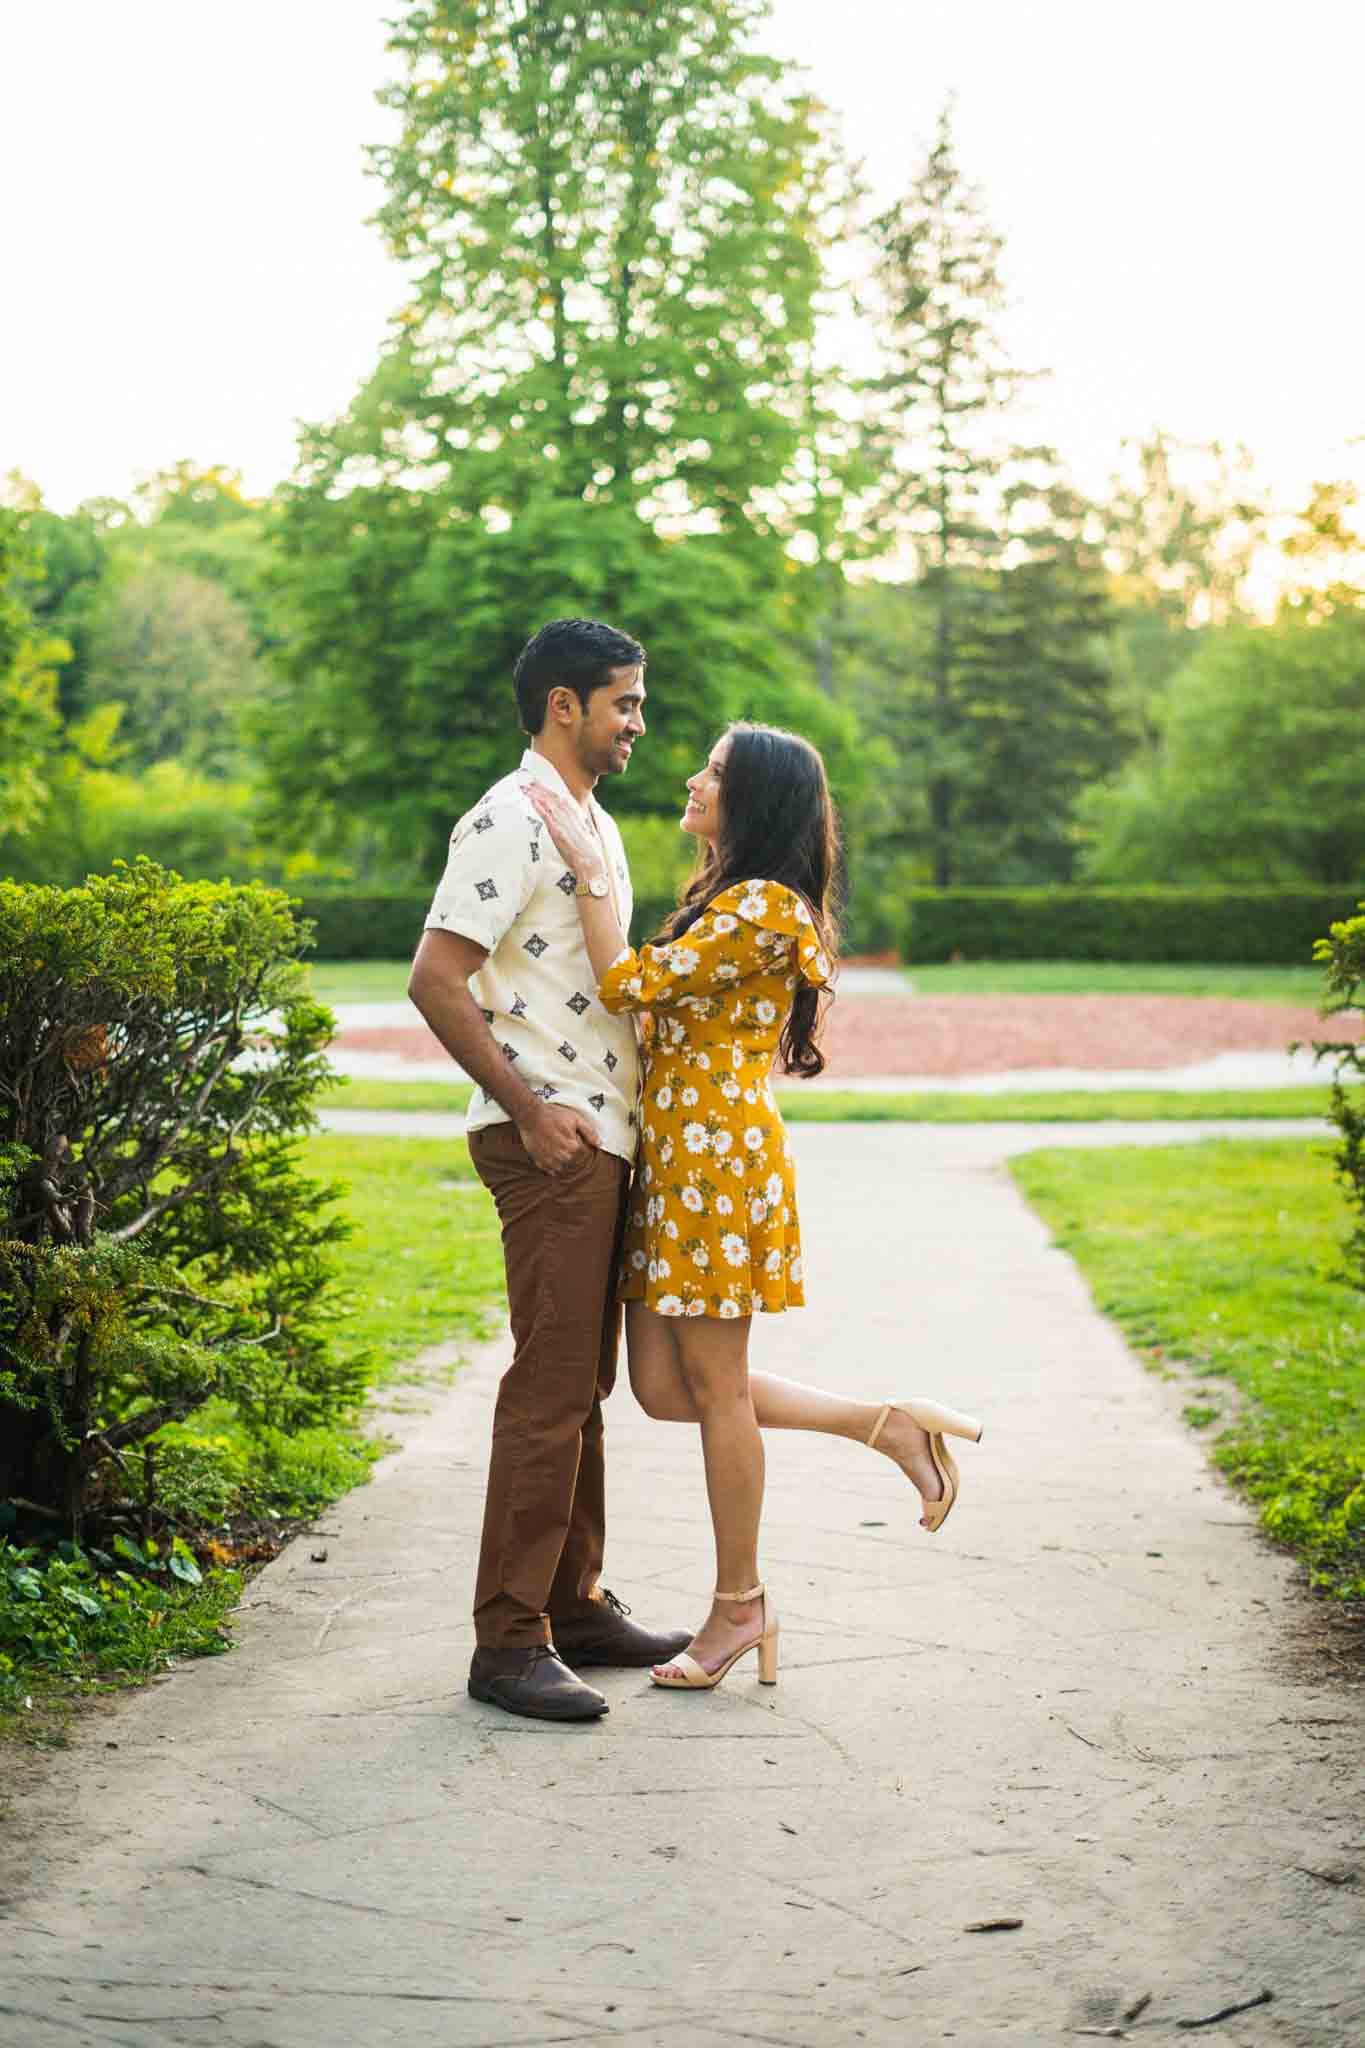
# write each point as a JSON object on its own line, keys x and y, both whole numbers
{"x": 599, "y": 887}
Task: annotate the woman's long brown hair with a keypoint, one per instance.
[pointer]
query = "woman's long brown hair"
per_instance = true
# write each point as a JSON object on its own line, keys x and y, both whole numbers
{"x": 777, "y": 825}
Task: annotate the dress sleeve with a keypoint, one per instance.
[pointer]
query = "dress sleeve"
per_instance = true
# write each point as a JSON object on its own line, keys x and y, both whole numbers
{"x": 490, "y": 873}
{"x": 743, "y": 931}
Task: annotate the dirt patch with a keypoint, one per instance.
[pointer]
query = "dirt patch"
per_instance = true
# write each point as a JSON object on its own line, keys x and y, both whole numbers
{"x": 947, "y": 1036}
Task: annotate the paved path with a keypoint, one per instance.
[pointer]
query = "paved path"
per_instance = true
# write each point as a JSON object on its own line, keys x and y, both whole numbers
{"x": 1221, "y": 1070}
{"x": 1270, "y": 1068}
{"x": 892, "y": 1038}
{"x": 1078, "y": 1707}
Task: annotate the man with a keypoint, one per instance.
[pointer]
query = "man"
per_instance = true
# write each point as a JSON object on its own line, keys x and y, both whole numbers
{"x": 502, "y": 977}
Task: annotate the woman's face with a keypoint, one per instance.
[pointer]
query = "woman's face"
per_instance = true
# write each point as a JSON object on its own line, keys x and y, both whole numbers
{"x": 704, "y": 815}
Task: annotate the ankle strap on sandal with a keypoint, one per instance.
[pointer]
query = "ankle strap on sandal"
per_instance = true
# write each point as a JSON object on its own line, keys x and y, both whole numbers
{"x": 878, "y": 1426}
{"x": 752, "y": 1594}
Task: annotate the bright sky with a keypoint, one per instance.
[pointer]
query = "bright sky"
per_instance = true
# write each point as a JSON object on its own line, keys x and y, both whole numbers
{"x": 187, "y": 270}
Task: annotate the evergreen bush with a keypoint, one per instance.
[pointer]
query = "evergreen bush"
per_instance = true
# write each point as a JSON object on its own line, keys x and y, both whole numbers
{"x": 158, "y": 1242}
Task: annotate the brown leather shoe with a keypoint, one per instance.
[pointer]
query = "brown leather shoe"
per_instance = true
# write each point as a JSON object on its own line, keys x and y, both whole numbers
{"x": 606, "y": 1637}
{"x": 533, "y": 1682}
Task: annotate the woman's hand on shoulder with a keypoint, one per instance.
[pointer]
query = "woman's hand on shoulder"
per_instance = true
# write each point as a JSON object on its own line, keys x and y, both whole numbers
{"x": 572, "y": 835}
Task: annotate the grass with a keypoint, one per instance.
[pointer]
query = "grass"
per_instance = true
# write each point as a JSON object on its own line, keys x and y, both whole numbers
{"x": 1218, "y": 1262}
{"x": 385, "y": 981}
{"x": 1299, "y": 985}
{"x": 359, "y": 981}
{"x": 423, "y": 1265}
{"x": 424, "y": 1262}
{"x": 829, "y": 1106}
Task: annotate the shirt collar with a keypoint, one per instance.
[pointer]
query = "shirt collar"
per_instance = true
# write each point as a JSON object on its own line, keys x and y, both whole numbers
{"x": 540, "y": 770}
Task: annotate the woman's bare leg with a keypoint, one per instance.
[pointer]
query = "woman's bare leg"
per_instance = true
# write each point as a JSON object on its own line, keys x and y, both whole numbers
{"x": 661, "y": 1388}
{"x": 711, "y": 1361}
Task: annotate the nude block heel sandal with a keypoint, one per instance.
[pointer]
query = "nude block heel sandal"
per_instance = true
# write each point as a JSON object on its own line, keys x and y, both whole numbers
{"x": 696, "y": 1678}
{"x": 937, "y": 1422}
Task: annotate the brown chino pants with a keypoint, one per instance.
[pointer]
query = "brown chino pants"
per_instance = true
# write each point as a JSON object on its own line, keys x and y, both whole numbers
{"x": 544, "y": 1519}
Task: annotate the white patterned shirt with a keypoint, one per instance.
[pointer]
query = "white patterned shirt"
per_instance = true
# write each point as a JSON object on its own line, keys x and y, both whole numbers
{"x": 507, "y": 888}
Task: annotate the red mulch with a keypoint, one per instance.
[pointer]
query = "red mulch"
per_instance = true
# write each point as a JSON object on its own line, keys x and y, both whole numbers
{"x": 952, "y": 1035}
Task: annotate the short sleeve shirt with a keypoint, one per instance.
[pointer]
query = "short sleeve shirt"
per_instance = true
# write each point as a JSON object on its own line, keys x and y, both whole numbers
{"x": 506, "y": 888}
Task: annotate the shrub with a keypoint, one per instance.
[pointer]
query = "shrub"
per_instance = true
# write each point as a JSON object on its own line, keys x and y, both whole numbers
{"x": 199, "y": 1478}
{"x": 158, "y": 1244}
{"x": 1311, "y": 1493}
{"x": 1342, "y": 953}
{"x": 1243, "y": 927}
{"x": 125, "y": 1612}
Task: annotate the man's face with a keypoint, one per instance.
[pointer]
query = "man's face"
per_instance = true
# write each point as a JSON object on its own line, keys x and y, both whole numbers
{"x": 612, "y": 722}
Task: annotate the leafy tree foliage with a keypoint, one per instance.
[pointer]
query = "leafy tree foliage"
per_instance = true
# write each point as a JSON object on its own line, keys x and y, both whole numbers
{"x": 1327, "y": 548}
{"x": 1183, "y": 521}
{"x": 1260, "y": 765}
{"x": 28, "y": 685}
{"x": 609, "y": 213}
{"x": 96, "y": 810}
{"x": 199, "y": 522}
{"x": 606, "y": 210}
{"x": 177, "y": 653}
{"x": 404, "y": 635}
{"x": 69, "y": 561}
{"x": 157, "y": 1242}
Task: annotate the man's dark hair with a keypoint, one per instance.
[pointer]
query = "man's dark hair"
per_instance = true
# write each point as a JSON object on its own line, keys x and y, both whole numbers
{"x": 569, "y": 654}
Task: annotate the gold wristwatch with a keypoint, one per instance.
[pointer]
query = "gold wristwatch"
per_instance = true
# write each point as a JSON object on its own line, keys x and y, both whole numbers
{"x": 596, "y": 885}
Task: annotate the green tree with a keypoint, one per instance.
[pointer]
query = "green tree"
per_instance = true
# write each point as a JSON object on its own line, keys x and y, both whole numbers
{"x": 177, "y": 652}
{"x": 1259, "y": 770}
{"x": 606, "y": 210}
{"x": 398, "y": 705}
{"x": 1183, "y": 521}
{"x": 200, "y": 522}
{"x": 590, "y": 404}
{"x": 1002, "y": 695}
{"x": 28, "y": 678}
{"x": 1035, "y": 687}
{"x": 1326, "y": 547}
{"x": 97, "y": 811}
{"x": 68, "y": 562}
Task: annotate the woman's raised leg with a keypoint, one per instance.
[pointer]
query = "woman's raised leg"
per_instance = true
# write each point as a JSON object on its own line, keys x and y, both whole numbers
{"x": 662, "y": 1389}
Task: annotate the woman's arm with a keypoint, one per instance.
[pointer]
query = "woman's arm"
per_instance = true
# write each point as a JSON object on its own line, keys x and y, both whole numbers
{"x": 583, "y": 851}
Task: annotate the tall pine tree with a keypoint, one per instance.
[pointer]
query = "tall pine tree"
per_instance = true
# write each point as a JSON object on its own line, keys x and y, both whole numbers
{"x": 1003, "y": 705}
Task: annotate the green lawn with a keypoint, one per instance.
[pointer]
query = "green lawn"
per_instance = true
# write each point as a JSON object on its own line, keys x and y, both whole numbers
{"x": 424, "y": 1262}
{"x": 1118, "y": 978}
{"x": 1216, "y": 1261}
{"x": 385, "y": 981}
{"x": 360, "y": 981}
{"x": 830, "y": 1106}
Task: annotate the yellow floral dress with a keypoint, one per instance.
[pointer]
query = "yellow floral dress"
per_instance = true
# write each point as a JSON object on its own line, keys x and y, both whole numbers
{"x": 712, "y": 1227}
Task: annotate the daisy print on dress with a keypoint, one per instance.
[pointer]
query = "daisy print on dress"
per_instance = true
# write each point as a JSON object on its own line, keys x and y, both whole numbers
{"x": 717, "y": 1196}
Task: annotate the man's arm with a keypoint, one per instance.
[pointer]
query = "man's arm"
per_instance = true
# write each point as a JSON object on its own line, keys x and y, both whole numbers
{"x": 439, "y": 987}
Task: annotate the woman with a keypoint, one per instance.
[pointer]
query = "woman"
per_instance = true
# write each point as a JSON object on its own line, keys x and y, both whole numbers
{"x": 712, "y": 1235}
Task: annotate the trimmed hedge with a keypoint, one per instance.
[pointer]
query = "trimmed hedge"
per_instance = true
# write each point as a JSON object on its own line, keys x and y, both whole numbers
{"x": 387, "y": 927}
{"x": 1242, "y": 927}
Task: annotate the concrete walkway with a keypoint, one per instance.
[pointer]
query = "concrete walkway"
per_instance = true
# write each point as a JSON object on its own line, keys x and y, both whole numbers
{"x": 1078, "y": 1708}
